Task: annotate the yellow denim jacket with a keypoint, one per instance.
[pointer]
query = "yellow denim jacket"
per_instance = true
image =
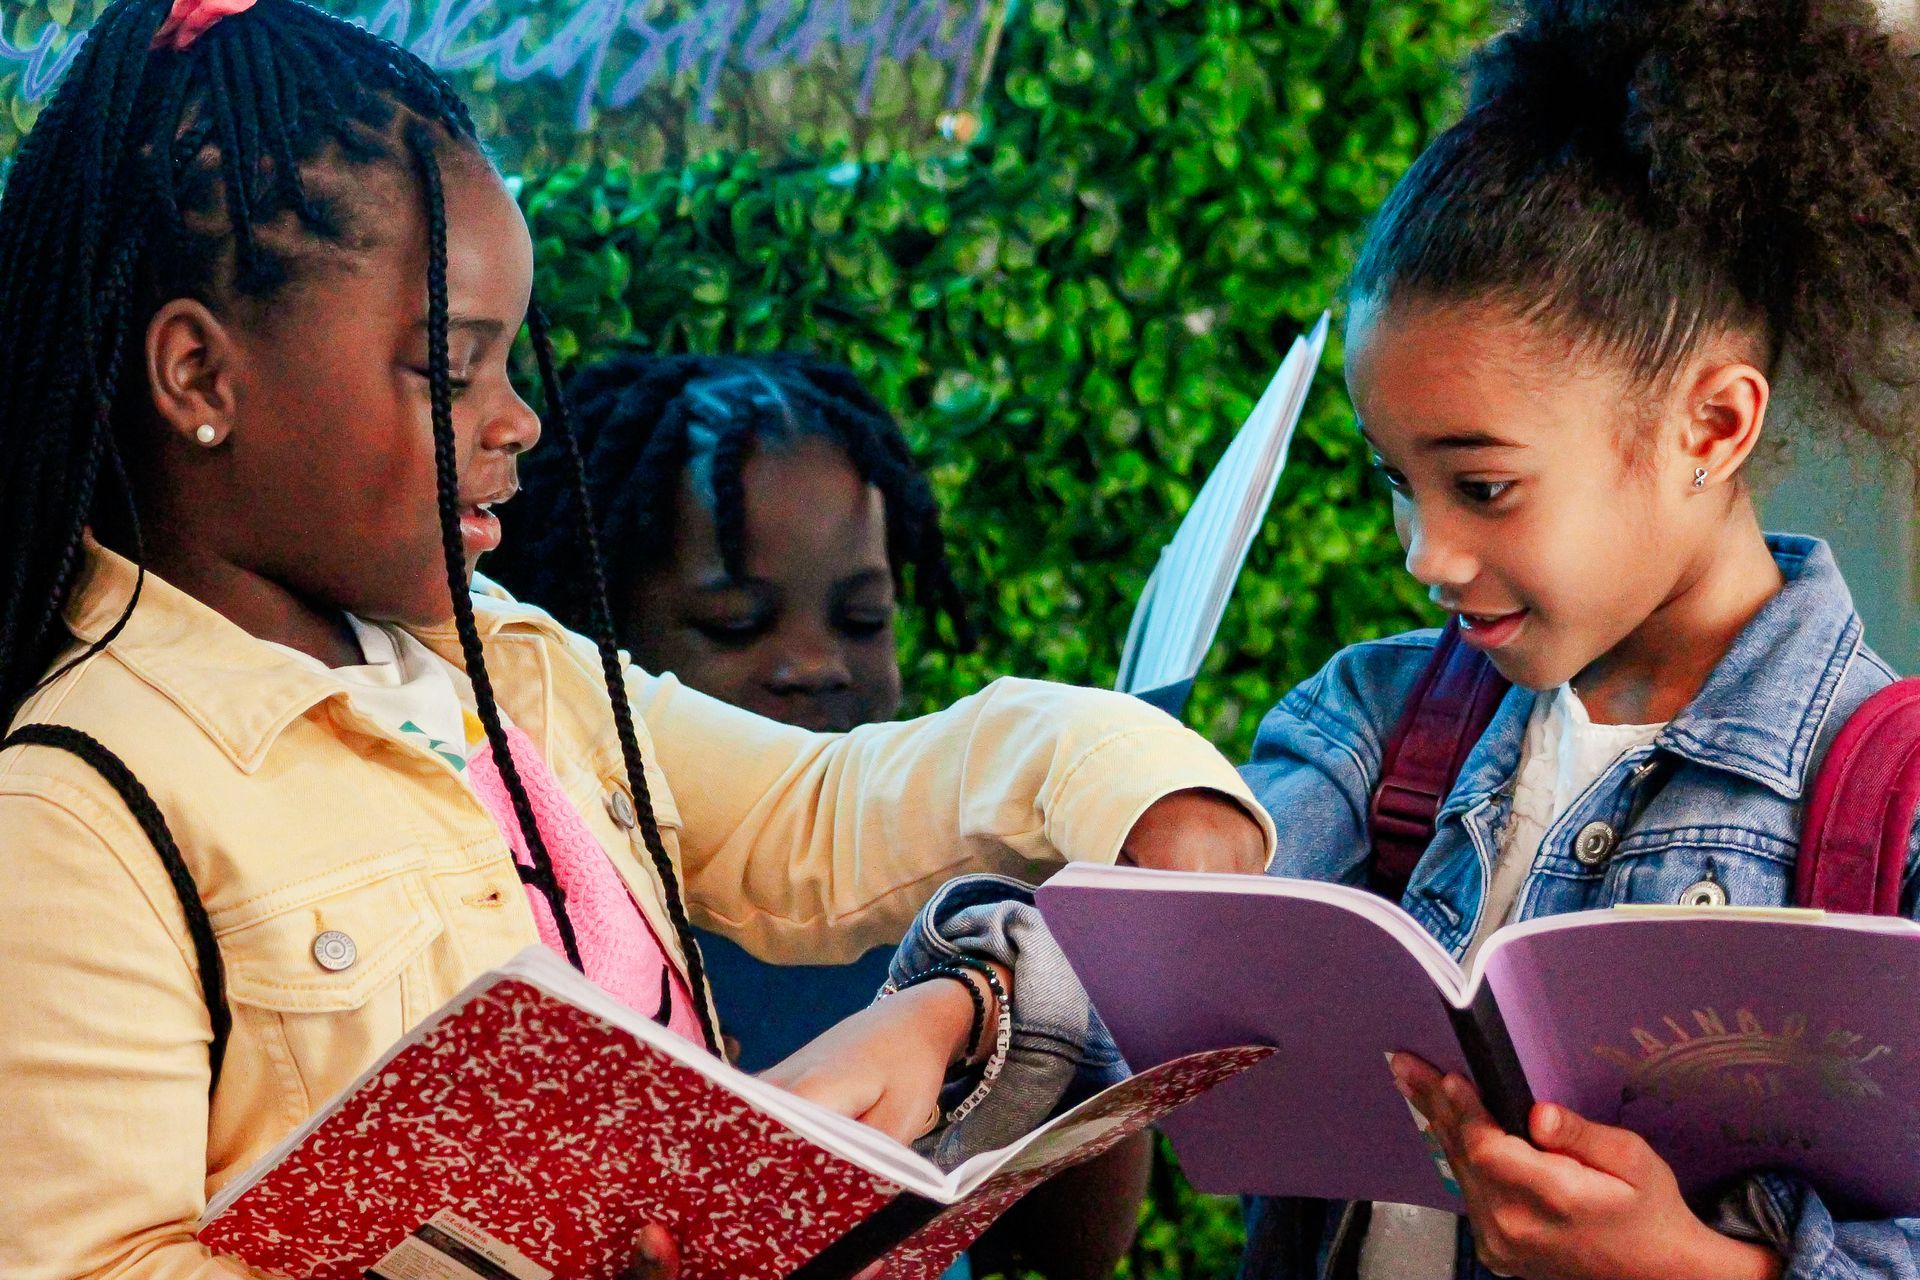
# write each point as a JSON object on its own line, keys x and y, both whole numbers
{"x": 298, "y": 816}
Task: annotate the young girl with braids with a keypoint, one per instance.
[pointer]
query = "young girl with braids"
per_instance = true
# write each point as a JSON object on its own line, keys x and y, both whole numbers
{"x": 277, "y": 784}
{"x": 757, "y": 516}
{"x": 1565, "y": 333}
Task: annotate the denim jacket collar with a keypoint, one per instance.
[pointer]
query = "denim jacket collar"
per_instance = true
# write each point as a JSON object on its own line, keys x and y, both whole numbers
{"x": 1803, "y": 638}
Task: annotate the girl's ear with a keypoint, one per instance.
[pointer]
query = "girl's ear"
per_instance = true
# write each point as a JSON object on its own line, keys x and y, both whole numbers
{"x": 1726, "y": 405}
{"x": 190, "y": 370}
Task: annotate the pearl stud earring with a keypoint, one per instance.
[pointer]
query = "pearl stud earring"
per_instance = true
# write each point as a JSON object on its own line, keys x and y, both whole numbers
{"x": 205, "y": 433}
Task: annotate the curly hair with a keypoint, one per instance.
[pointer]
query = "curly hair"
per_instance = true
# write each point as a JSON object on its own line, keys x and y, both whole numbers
{"x": 1648, "y": 174}
{"x": 647, "y": 420}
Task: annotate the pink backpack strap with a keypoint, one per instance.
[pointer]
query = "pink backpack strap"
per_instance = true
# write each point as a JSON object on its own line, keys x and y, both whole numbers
{"x": 1451, "y": 706}
{"x": 1860, "y": 810}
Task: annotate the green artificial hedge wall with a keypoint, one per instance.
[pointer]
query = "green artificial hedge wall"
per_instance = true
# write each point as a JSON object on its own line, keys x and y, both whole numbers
{"x": 1074, "y": 315}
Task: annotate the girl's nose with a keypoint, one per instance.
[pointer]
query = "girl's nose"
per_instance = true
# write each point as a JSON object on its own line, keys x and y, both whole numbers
{"x": 809, "y": 669}
{"x": 516, "y": 428}
{"x": 1434, "y": 559}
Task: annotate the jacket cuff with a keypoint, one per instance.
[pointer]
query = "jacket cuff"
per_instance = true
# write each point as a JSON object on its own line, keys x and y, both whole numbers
{"x": 1789, "y": 1215}
{"x": 1119, "y": 778}
{"x": 1060, "y": 1052}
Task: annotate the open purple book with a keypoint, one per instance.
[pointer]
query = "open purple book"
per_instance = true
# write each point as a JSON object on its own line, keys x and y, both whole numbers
{"x": 1733, "y": 1040}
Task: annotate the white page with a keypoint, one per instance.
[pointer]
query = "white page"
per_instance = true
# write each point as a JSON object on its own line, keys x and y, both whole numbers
{"x": 1142, "y": 610}
{"x": 1193, "y": 581}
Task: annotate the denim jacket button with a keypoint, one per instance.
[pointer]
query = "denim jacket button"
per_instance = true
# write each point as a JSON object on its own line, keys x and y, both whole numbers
{"x": 334, "y": 951}
{"x": 1704, "y": 893}
{"x": 1594, "y": 844}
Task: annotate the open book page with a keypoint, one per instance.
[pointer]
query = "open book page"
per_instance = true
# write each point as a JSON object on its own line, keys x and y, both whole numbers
{"x": 1731, "y": 1041}
{"x": 1093, "y": 1127}
{"x": 1130, "y": 650}
{"x": 1179, "y": 613}
{"x": 1331, "y": 976}
{"x": 549, "y": 1120}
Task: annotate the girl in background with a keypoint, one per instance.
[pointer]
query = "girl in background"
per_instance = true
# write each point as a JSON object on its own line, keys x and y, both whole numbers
{"x": 759, "y": 518}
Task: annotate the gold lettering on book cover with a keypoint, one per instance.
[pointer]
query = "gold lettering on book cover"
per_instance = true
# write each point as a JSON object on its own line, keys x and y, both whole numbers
{"x": 1742, "y": 1068}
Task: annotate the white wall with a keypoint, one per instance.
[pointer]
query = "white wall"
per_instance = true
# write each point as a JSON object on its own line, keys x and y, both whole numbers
{"x": 1864, "y": 507}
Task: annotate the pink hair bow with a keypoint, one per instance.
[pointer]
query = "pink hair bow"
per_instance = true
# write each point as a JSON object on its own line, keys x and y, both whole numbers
{"x": 188, "y": 20}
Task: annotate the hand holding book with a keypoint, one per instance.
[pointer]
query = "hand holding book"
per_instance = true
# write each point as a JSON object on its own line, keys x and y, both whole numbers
{"x": 1731, "y": 1041}
{"x": 1580, "y": 1200}
{"x": 885, "y": 1065}
{"x": 446, "y": 1148}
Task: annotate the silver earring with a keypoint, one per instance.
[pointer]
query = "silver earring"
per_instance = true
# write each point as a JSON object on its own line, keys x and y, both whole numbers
{"x": 1699, "y": 477}
{"x": 205, "y": 433}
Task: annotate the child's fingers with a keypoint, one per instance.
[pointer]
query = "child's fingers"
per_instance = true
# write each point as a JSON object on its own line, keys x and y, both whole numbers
{"x": 656, "y": 1255}
{"x": 1493, "y": 1154}
{"x": 1515, "y": 1171}
{"x": 1465, "y": 1100}
{"x": 901, "y": 1116}
{"x": 1619, "y": 1152}
{"x": 848, "y": 1093}
{"x": 1419, "y": 1083}
{"x": 1507, "y": 1167}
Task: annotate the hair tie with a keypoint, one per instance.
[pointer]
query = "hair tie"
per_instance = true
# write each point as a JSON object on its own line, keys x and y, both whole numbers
{"x": 188, "y": 20}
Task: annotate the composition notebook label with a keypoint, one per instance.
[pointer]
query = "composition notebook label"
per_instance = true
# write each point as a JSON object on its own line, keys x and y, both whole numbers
{"x": 448, "y": 1247}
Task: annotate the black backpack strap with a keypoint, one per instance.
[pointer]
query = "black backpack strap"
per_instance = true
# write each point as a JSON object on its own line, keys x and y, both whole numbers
{"x": 213, "y": 982}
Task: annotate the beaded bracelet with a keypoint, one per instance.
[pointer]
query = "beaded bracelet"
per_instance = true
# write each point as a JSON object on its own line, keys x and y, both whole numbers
{"x": 1002, "y": 1036}
{"x": 1003, "y": 1032}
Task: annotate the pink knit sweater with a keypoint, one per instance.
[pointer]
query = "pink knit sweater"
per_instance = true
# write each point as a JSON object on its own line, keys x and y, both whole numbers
{"x": 618, "y": 947}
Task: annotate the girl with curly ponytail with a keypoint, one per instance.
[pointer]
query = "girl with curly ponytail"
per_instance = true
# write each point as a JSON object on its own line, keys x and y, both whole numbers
{"x": 1660, "y": 228}
{"x": 1657, "y": 224}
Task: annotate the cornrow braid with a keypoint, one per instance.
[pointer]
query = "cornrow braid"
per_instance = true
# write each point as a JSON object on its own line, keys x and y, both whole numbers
{"x": 726, "y": 477}
{"x": 147, "y": 178}
{"x": 645, "y": 418}
{"x": 601, "y": 630}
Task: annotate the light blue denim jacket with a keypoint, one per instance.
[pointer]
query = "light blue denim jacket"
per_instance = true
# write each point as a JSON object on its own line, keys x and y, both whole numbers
{"x": 1715, "y": 799}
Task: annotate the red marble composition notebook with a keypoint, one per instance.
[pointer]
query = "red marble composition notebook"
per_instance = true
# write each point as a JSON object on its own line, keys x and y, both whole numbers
{"x": 532, "y": 1126}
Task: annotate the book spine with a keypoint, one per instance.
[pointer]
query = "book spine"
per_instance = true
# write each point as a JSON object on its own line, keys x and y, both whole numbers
{"x": 873, "y": 1239}
{"x": 1491, "y": 1057}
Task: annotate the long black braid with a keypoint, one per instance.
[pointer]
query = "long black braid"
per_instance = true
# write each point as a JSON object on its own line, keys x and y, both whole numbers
{"x": 439, "y": 381}
{"x": 644, "y": 418}
{"x": 155, "y": 174}
{"x": 600, "y": 627}
{"x": 152, "y": 175}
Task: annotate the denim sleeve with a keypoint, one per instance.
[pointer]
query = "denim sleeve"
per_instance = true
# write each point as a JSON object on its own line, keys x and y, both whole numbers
{"x": 1317, "y": 757}
{"x": 1060, "y": 1053}
{"x": 1788, "y": 1215}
